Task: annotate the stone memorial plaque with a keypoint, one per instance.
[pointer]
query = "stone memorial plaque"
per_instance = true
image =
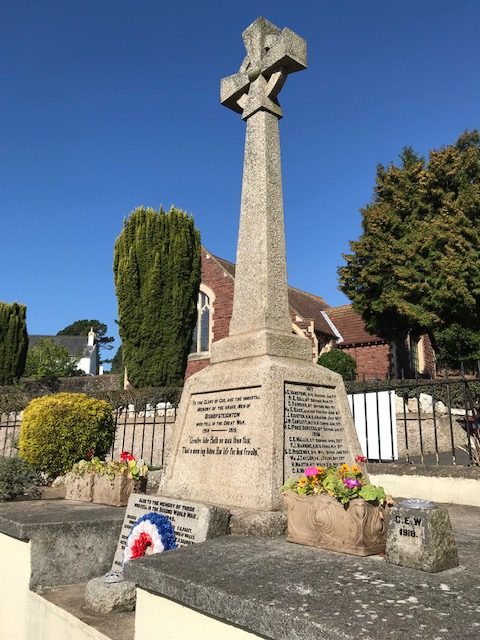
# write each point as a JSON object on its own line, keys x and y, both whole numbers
{"x": 314, "y": 433}
{"x": 192, "y": 522}
{"x": 421, "y": 537}
{"x": 224, "y": 425}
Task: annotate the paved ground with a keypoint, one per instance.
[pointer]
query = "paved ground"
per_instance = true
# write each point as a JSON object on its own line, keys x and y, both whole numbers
{"x": 285, "y": 591}
{"x": 118, "y": 626}
{"x": 291, "y": 592}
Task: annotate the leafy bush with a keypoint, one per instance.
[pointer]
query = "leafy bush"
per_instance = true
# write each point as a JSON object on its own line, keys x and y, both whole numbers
{"x": 340, "y": 362}
{"x": 17, "y": 478}
{"x": 50, "y": 360}
{"x": 59, "y": 430}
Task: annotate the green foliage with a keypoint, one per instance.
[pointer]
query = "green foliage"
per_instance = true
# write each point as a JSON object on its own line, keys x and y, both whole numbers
{"x": 157, "y": 277}
{"x": 117, "y": 362}
{"x": 17, "y": 478}
{"x": 50, "y": 360}
{"x": 416, "y": 265}
{"x": 59, "y": 430}
{"x": 344, "y": 483}
{"x": 371, "y": 493}
{"x": 339, "y": 361}
{"x": 458, "y": 344}
{"x": 82, "y": 327}
{"x": 131, "y": 468}
{"x": 13, "y": 342}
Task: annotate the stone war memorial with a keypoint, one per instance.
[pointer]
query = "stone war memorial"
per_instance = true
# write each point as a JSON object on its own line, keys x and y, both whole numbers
{"x": 261, "y": 411}
{"x": 172, "y": 564}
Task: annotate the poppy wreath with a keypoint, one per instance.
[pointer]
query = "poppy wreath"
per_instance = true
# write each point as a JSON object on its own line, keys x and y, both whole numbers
{"x": 151, "y": 533}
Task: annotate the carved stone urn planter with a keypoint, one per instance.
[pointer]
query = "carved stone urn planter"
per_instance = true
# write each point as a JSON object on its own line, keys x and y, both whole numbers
{"x": 79, "y": 487}
{"x": 360, "y": 528}
{"x": 116, "y": 491}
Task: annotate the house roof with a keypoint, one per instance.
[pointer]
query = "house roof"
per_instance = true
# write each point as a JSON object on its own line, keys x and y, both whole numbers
{"x": 310, "y": 306}
{"x": 228, "y": 266}
{"x": 304, "y": 304}
{"x": 351, "y": 326}
{"x": 75, "y": 345}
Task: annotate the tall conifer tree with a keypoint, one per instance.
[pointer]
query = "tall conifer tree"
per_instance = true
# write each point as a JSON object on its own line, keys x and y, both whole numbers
{"x": 157, "y": 277}
{"x": 416, "y": 265}
{"x": 13, "y": 342}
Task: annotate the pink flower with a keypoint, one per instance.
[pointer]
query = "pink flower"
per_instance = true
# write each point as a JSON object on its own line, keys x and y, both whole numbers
{"x": 351, "y": 483}
{"x": 360, "y": 459}
{"x": 311, "y": 471}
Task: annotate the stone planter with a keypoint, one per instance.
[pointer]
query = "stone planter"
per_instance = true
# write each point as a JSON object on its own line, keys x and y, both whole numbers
{"x": 321, "y": 521}
{"x": 79, "y": 487}
{"x": 116, "y": 491}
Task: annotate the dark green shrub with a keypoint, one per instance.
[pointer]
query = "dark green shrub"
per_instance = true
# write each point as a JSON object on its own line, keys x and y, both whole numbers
{"x": 340, "y": 362}
{"x": 13, "y": 342}
{"x": 17, "y": 478}
{"x": 61, "y": 429}
{"x": 157, "y": 277}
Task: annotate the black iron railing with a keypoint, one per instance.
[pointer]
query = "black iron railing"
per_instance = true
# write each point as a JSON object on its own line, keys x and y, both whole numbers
{"x": 419, "y": 421}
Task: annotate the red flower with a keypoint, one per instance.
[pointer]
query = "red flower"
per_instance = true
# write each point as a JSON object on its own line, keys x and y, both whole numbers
{"x": 360, "y": 459}
{"x": 140, "y": 545}
{"x": 126, "y": 456}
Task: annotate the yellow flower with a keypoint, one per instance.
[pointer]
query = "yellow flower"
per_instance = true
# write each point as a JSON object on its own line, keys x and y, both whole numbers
{"x": 344, "y": 468}
{"x": 314, "y": 480}
{"x": 302, "y": 482}
{"x": 320, "y": 470}
{"x": 356, "y": 469}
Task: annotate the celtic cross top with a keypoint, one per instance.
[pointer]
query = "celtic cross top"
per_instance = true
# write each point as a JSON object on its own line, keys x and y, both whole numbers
{"x": 272, "y": 54}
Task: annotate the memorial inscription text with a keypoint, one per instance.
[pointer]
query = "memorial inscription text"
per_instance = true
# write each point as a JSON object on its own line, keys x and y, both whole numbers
{"x": 184, "y": 517}
{"x": 225, "y": 423}
{"x": 314, "y": 434}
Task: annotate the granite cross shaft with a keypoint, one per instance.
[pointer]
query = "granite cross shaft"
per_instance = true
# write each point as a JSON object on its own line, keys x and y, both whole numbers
{"x": 261, "y": 323}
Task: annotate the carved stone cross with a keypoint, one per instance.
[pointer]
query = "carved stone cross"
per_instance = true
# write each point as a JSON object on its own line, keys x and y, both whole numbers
{"x": 272, "y": 54}
{"x": 261, "y": 323}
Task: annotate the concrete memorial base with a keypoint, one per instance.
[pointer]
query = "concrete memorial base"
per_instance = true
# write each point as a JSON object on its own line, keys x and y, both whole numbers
{"x": 244, "y": 427}
{"x": 420, "y": 536}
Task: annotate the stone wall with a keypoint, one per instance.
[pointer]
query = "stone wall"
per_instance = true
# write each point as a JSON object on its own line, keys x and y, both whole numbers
{"x": 411, "y": 426}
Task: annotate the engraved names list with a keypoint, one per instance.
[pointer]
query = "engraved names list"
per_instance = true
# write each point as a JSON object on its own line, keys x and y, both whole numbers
{"x": 314, "y": 434}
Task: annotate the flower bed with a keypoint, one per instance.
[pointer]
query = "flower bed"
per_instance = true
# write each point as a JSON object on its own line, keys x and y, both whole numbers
{"x": 103, "y": 482}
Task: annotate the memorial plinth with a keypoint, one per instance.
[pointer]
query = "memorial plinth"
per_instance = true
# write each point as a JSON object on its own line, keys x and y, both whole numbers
{"x": 261, "y": 411}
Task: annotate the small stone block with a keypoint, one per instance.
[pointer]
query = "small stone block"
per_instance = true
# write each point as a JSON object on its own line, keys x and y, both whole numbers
{"x": 421, "y": 537}
{"x": 103, "y": 597}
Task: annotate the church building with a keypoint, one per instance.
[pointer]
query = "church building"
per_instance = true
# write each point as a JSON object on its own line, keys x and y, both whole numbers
{"x": 313, "y": 318}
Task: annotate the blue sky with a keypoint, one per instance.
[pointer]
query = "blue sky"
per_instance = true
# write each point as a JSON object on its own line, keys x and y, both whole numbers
{"x": 110, "y": 104}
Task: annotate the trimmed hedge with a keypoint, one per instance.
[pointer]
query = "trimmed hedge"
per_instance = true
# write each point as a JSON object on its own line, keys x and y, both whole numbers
{"x": 339, "y": 361}
{"x": 61, "y": 429}
{"x": 15, "y": 399}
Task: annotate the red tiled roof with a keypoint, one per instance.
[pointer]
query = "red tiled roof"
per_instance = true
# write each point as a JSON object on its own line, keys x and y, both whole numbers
{"x": 304, "y": 304}
{"x": 310, "y": 306}
{"x": 351, "y": 326}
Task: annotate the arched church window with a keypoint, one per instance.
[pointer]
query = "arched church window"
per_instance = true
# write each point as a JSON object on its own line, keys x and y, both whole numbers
{"x": 201, "y": 334}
